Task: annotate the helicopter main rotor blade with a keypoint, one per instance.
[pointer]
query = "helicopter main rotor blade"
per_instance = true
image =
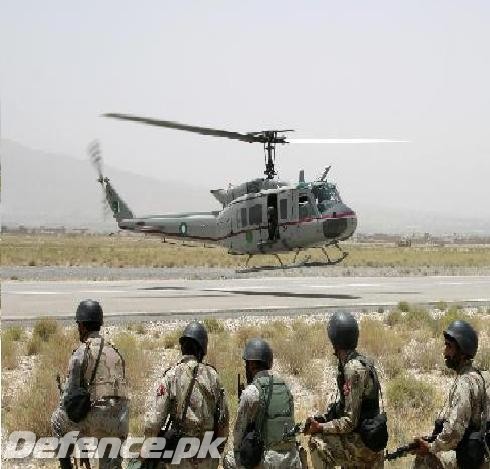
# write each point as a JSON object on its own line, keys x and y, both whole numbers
{"x": 189, "y": 128}
{"x": 343, "y": 140}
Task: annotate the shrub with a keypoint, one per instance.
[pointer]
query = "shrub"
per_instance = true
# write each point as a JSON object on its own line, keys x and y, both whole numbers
{"x": 14, "y": 333}
{"x": 34, "y": 345}
{"x": 377, "y": 340}
{"x": 45, "y": 328}
{"x": 418, "y": 318}
{"x": 441, "y": 305}
{"x": 407, "y": 392}
{"x": 213, "y": 325}
{"x": 140, "y": 328}
{"x": 171, "y": 340}
{"x": 393, "y": 318}
{"x": 404, "y": 306}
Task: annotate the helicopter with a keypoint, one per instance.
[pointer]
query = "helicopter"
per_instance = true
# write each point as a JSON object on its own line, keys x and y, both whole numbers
{"x": 261, "y": 216}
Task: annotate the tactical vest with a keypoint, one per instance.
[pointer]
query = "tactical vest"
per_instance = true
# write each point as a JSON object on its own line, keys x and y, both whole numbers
{"x": 276, "y": 412}
{"x": 369, "y": 402}
{"x": 110, "y": 377}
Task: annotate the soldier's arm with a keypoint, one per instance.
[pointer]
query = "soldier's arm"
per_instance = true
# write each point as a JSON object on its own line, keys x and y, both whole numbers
{"x": 76, "y": 370}
{"x": 457, "y": 419}
{"x": 247, "y": 410}
{"x": 156, "y": 418}
{"x": 355, "y": 382}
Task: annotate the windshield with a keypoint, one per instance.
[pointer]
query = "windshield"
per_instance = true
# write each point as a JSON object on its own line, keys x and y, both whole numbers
{"x": 326, "y": 195}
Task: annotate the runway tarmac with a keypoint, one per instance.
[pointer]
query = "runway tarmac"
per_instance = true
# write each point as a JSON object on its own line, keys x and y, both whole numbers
{"x": 165, "y": 299}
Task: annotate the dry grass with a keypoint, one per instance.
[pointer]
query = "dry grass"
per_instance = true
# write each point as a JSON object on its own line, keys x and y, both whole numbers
{"x": 9, "y": 352}
{"x": 125, "y": 251}
{"x": 138, "y": 367}
{"x": 32, "y": 405}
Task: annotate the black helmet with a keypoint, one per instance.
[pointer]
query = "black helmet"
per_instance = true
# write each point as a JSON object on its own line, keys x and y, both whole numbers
{"x": 196, "y": 331}
{"x": 464, "y": 335}
{"x": 258, "y": 350}
{"x": 343, "y": 331}
{"x": 89, "y": 311}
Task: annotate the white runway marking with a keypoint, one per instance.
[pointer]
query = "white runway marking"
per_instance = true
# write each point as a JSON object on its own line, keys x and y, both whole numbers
{"x": 37, "y": 293}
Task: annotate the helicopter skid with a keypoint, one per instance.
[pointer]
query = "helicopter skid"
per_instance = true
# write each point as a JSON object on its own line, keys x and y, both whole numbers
{"x": 303, "y": 263}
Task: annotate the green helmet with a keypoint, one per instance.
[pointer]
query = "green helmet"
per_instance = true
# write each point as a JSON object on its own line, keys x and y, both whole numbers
{"x": 89, "y": 311}
{"x": 464, "y": 335}
{"x": 258, "y": 350}
{"x": 197, "y": 332}
{"x": 343, "y": 331}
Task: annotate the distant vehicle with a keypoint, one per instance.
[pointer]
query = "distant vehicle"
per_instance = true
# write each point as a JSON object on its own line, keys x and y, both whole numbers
{"x": 261, "y": 216}
{"x": 404, "y": 243}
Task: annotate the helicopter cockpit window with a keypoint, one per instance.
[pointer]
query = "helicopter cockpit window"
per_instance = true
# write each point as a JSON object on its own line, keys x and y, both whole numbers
{"x": 305, "y": 208}
{"x": 255, "y": 214}
{"x": 325, "y": 195}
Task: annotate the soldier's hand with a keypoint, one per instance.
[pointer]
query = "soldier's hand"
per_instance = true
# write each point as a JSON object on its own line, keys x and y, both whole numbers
{"x": 312, "y": 426}
{"x": 422, "y": 447}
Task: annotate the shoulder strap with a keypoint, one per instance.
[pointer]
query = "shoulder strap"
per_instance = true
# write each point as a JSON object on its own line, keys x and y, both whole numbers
{"x": 189, "y": 392}
{"x": 374, "y": 374}
{"x": 122, "y": 360}
{"x": 101, "y": 346}
{"x": 484, "y": 412}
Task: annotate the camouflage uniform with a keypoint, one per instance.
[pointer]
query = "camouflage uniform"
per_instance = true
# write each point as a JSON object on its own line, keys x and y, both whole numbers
{"x": 200, "y": 413}
{"x": 463, "y": 405}
{"x": 108, "y": 416}
{"x": 340, "y": 444}
{"x": 286, "y": 457}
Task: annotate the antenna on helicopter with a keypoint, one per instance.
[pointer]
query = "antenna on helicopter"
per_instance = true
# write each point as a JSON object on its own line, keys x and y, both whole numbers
{"x": 324, "y": 175}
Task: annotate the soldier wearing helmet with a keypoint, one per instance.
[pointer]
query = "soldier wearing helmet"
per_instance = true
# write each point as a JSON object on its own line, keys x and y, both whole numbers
{"x": 205, "y": 410}
{"x": 99, "y": 368}
{"x": 265, "y": 410}
{"x": 459, "y": 443}
{"x": 337, "y": 439}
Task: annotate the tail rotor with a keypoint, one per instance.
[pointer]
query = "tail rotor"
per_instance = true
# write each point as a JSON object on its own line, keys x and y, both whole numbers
{"x": 95, "y": 156}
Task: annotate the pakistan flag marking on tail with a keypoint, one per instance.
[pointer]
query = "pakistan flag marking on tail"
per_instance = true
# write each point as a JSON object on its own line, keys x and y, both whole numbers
{"x": 249, "y": 236}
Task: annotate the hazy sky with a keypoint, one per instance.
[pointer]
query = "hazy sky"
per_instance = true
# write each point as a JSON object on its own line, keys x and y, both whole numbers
{"x": 415, "y": 70}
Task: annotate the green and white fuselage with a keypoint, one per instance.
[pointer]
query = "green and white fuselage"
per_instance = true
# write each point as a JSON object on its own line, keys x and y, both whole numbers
{"x": 260, "y": 216}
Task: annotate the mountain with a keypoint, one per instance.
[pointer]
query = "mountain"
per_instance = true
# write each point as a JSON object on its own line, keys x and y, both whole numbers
{"x": 40, "y": 188}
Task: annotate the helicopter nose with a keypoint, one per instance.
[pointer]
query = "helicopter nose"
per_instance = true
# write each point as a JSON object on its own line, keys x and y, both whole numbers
{"x": 341, "y": 223}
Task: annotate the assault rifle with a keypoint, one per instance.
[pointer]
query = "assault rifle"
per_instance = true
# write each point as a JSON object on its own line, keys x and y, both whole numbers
{"x": 403, "y": 451}
{"x": 219, "y": 419}
{"x": 331, "y": 414}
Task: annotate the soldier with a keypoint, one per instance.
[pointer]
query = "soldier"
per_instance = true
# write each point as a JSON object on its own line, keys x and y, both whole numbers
{"x": 465, "y": 411}
{"x": 336, "y": 439}
{"x": 97, "y": 366}
{"x": 267, "y": 408}
{"x": 207, "y": 408}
